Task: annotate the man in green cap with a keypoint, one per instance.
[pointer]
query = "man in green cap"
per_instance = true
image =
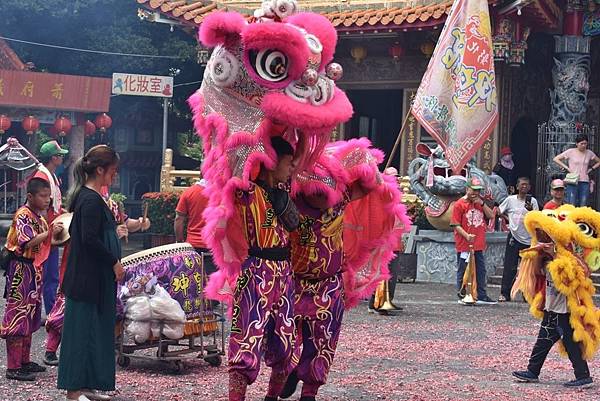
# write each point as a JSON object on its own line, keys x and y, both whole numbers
{"x": 51, "y": 156}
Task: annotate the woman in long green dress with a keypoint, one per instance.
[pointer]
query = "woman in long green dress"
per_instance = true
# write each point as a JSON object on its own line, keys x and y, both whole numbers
{"x": 87, "y": 360}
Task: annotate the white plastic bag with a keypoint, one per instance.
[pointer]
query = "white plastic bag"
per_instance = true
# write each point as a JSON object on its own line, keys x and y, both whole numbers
{"x": 139, "y": 331}
{"x": 164, "y": 307}
{"x": 174, "y": 331}
{"x": 138, "y": 308}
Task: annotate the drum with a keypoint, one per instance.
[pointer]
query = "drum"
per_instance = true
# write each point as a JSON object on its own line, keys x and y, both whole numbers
{"x": 178, "y": 268}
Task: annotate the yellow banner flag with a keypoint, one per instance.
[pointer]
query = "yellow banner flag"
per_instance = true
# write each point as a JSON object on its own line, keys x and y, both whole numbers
{"x": 456, "y": 101}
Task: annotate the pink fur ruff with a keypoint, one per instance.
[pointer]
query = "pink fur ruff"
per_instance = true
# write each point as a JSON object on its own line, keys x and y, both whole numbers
{"x": 319, "y": 26}
{"x": 273, "y": 35}
{"x": 221, "y": 28}
{"x": 312, "y": 180}
{"x": 373, "y": 226}
{"x": 279, "y": 107}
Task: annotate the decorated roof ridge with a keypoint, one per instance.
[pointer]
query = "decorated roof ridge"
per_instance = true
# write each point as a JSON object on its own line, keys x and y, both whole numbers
{"x": 342, "y": 14}
{"x": 8, "y": 58}
{"x": 540, "y": 13}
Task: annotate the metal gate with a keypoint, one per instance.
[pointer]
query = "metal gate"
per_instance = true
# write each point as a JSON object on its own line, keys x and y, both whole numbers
{"x": 553, "y": 140}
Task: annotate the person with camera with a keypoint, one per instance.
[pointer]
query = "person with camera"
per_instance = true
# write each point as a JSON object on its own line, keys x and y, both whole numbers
{"x": 514, "y": 208}
{"x": 468, "y": 221}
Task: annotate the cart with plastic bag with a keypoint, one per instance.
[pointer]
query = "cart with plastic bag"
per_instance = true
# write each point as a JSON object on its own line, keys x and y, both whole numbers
{"x": 164, "y": 315}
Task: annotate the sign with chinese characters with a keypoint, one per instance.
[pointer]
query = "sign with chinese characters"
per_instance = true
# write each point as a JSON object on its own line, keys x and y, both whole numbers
{"x": 25, "y": 89}
{"x": 411, "y": 133}
{"x": 486, "y": 155}
{"x": 456, "y": 101}
{"x": 142, "y": 85}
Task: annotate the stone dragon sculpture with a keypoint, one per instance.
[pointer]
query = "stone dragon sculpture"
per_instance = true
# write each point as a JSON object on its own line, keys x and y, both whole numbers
{"x": 571, "y": 86}
{"x": 433, "y": 181}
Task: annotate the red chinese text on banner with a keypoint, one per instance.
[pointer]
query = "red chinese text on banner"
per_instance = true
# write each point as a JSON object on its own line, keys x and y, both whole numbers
{"x": 54, "y": 91}
{"x": 456, "y": 101}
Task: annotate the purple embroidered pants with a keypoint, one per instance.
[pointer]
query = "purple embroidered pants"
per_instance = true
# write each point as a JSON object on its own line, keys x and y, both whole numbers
{"x": 262, "y": 325}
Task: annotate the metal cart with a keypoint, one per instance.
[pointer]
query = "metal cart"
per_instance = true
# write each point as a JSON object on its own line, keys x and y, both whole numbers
{"x": 204, "y": 338}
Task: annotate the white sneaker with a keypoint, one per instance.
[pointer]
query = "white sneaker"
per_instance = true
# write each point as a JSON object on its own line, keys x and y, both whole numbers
{"x": 80, "y": 398}
{"x": 96, "y": 395}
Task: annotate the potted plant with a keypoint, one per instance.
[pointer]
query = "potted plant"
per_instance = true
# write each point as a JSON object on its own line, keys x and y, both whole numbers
{"x": 161, "y": 212}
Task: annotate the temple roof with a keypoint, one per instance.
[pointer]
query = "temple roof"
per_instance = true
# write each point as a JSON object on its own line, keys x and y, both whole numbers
{"x": 343, "y": 14}
{"x": 364, "y": 15}
{"x": 8, "y": 58}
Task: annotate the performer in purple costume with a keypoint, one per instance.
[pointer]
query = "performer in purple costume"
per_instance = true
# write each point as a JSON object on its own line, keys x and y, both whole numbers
{"x": 263, "y": 305}
{"x": 317, "y": 255}
{"x": 29, "y": 242}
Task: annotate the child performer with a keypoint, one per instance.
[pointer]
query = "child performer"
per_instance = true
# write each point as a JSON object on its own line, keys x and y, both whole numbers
{"x": 29, "y": 241}
{"x": 555, "y": 326}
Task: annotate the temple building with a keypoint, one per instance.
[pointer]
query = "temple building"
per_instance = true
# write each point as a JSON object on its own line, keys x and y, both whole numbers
{"x": 33, "y": 102}
{"x": 544, "y": 51}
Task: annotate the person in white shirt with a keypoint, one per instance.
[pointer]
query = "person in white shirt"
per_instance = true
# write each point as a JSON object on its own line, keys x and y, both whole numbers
{"x": 514, "y": 208}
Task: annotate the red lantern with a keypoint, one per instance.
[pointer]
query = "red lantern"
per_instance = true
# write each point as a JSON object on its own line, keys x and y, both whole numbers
{"x": 30, "y": 124}
{"x": 90, "y": 128}
{"x": 396, "y": 51}
{"x": 103, "y": 122}
{"x": 63, "y": 125}
{"x": 4, "y": 123}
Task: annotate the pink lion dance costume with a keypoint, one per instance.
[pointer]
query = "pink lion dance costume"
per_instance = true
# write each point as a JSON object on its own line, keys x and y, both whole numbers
{"x": 268, "y": 76}
{"x": 350, "y": 221}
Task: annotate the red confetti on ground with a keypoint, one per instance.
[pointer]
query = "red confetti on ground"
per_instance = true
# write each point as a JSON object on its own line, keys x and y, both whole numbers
{"x": 434, "y": 350}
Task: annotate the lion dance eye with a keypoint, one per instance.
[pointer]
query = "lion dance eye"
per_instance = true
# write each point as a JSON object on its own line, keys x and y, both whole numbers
{"x": 271, "y": 65}
{"x": 586, "y": 229}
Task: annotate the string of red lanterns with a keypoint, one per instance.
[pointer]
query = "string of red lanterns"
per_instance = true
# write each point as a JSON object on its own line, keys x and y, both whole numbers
{"x": 62, "y": 125}
{"x": 396, "y": 51}
{"x": 103, "y": 122}
{"x": 89, "y": 128}
{"x": 30, "y": 124}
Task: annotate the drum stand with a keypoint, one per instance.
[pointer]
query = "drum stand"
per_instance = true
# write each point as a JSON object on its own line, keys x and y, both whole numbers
{"x": 188, "y": 347}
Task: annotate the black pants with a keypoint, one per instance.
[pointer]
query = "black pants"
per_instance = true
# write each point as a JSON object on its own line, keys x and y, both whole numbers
{"x": 511, "y": 263}
{"x": 553, "y": 327}
{"x": 209, "y": 265}
{"x": 394, "y": 269}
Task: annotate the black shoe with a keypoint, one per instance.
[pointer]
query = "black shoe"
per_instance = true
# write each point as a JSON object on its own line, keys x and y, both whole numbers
{"x": 525, "y": 376}
{"x": 580, "y": 383}
{"x": 290, "y": 385}
{"x": 33, "y": 367}
{"x": 20, "y": 375}
{"x": 461, "y": 294}
{"x": 50, "y": 359}
{"x": 307, "y": 398}
{"x": 486, "y": 301}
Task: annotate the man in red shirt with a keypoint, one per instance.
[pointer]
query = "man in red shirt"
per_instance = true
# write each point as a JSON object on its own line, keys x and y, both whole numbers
{"x": 189, "y": 210}
{"x": 51, "y": 156}
{"x": 468, "y": 220}
{"x": 557, "y": 190}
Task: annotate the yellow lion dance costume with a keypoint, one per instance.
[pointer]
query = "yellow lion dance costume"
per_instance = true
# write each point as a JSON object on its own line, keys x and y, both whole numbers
{"x": 575, "y": 233}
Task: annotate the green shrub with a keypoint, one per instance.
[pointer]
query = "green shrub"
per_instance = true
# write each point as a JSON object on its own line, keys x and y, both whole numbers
{"x": 161, "y": 211}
